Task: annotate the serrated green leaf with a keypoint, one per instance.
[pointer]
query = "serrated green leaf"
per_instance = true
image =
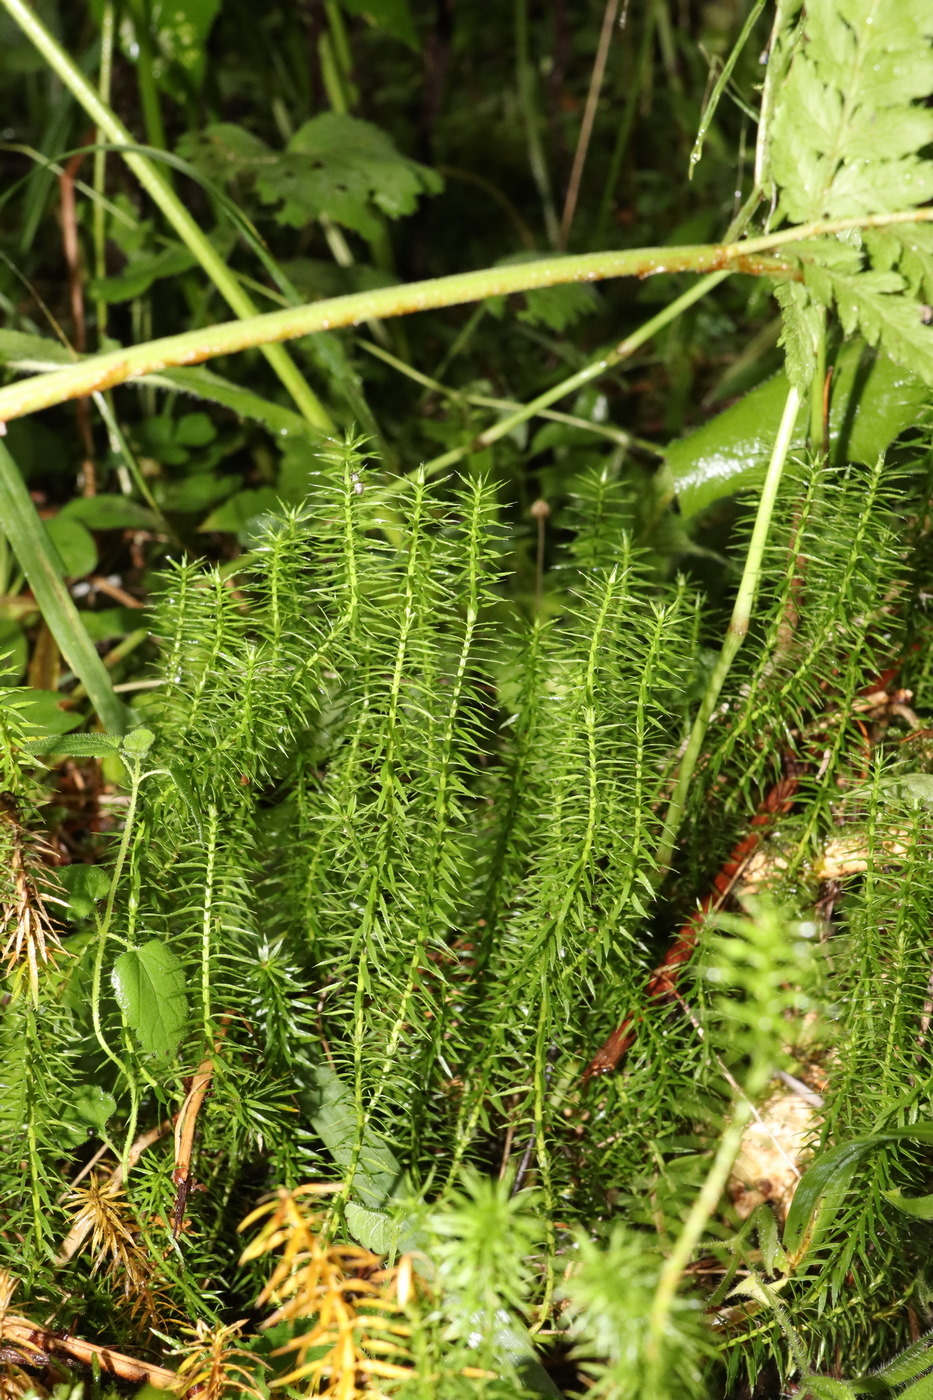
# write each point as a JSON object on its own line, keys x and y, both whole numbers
{"x": 909, "y": 248}
{"x": 95, "y": 1106}
{"x": 560, "y": 307}
{"x": 871, "y": 302}
{"x": 149, "y": 984}
{"x": 801, "y": 333}
{"x": 373, "y": 1229}
{"x": 334, "y": 164}
{"x": 846, "y": 133}
{"x": 32, "y": 351}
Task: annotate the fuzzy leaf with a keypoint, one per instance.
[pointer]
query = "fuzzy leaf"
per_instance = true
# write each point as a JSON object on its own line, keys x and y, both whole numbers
{"x": 74, "y": 745}
{"x": 908, "y": 1364}
{"x": 84, "y": 885}
{"x": 149, "y": 983}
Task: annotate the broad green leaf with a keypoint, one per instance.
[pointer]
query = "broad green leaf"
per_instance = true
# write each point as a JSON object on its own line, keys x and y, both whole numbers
{"x": 178, "y": 34}
{"x": 73, "y": 544}
{"x": 109, "y": 513}
{"x": 236, "y": 513}
{"x": 913, "y": 788}
{"x": 42, "y": 714}
{"x": 873, "y": 401}
{"x": 181, "y": 28}
{"x": 197, "y": 493}
{"x": 393, "y": 16}
{"x": 105, "y": 623}
{"x": 149, "y": 983}
{"x": 330, "y": 1105}
{"x": 340, "y": 166}
{"x": 21, "y": 524}
{"x": 374, "y": 1229}
{"x": 194, "y": 430}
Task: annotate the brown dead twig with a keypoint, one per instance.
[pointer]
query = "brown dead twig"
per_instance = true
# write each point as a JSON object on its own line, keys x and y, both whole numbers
{"x": 24, "y": 1343}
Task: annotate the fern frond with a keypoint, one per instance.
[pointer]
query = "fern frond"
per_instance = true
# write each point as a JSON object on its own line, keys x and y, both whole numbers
{"x": 849, "y": 138}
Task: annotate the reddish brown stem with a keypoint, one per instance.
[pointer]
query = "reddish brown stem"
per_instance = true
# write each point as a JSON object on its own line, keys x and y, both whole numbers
{"x": 662, "y": 984}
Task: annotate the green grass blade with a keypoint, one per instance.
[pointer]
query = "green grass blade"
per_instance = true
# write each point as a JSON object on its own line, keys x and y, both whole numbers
{"x": 20, "y": 523}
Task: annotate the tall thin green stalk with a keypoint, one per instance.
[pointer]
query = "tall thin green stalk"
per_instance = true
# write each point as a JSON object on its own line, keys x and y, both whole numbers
{"x": 157, "y": 187}
{"x": 736, "y": 632}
